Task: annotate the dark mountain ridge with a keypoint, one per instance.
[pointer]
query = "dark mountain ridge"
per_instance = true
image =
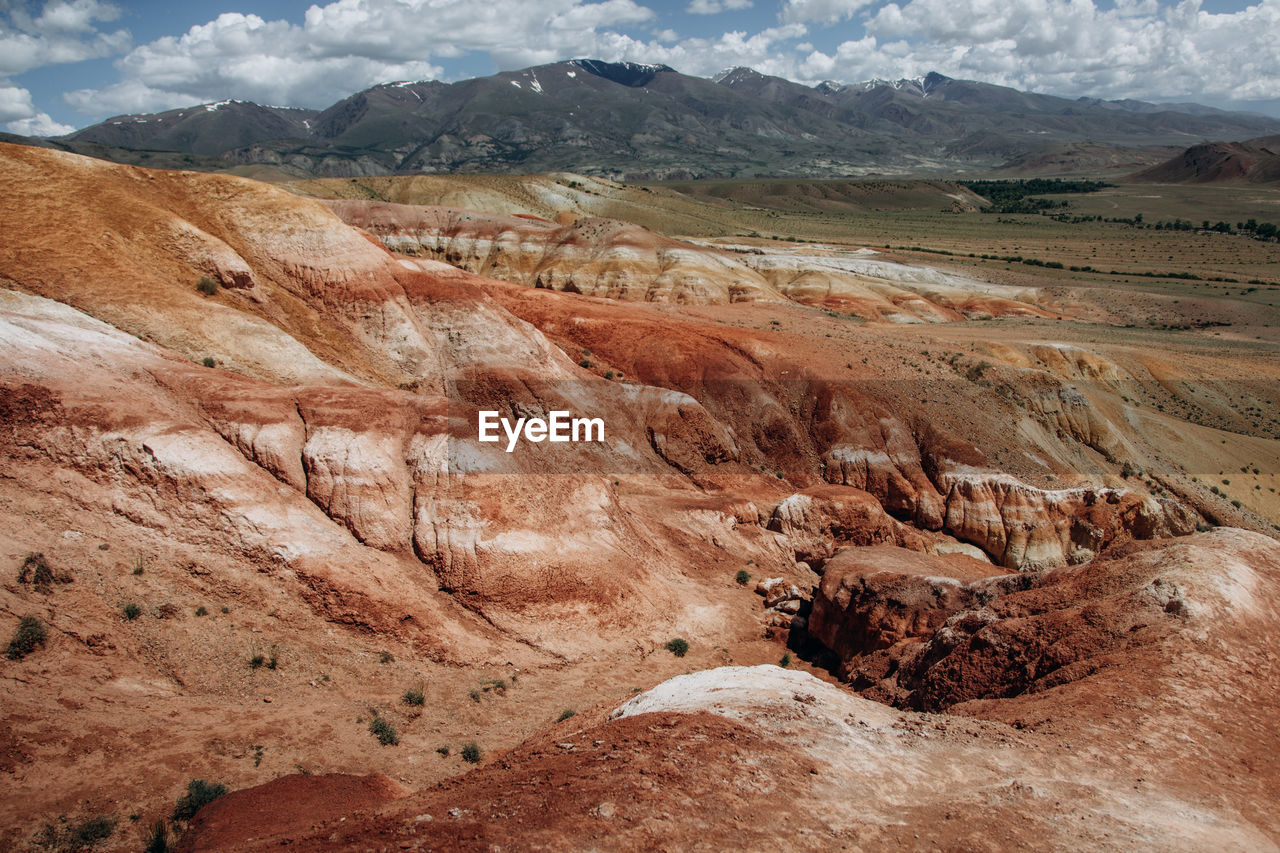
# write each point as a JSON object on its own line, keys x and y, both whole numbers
{"x": 627, "y": 120}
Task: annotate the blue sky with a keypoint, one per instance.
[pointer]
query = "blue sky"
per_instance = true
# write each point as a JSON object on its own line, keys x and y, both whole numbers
{"x": 69, "y": 63}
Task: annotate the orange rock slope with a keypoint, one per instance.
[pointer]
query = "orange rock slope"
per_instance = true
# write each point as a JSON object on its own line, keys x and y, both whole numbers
{"x": 287, "y": 469}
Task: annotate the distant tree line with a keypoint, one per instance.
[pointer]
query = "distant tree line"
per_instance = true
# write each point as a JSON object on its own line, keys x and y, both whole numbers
{"x": 1016, "y": 196}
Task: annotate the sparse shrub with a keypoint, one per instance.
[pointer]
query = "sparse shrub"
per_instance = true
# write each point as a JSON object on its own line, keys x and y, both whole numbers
{"x": 386, "y": 657}
{"x": 29, "y": 636}
{"x": 1236, "y": 504}
{"x": 139, "y": 566}
{"x": 199, "y": 794}
{"x": 443, "y": 750}
{"x": 475, "y": 695}
{"x": 471, "y": 753}
{"x": 157, "y": 838}
{"x": 497, "y": 685}
{"x": 131, "y": 611}
{"x": 565, "y": 714}
{"x": 785, "y": 661}
{"x": 384, "y": 731}
{"x": 226, "y": 609}
{"x": 742, "y": 577}
{"x": 1128, "y": 470}
{"x": 207, "y": 286}
{"x": 87, "y": 833}
{"x": 84, "y": 835}
{"x": 415, "y": 698}
{"x": 202, "y": 611}
{"x": 36, "y": 571}
{"x": 257, "y": 661}
{"x": 209, "y": 361}
{"x": 974, "y": 371}
{"x": 584, "y": 363}
{"x": 678, "y": 646}
{"x": 274, "y": 660}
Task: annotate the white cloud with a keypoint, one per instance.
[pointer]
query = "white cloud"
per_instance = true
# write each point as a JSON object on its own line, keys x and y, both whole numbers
{"x": 40, "y": 124}
{"x": 765, "y": 51}
{"x": 715, "y": 7}
{"x": 62, "y": 32}
{"x": 821, "y": 11}
{"x": 347, "y": 45}
{"x": 1070, "y": 47}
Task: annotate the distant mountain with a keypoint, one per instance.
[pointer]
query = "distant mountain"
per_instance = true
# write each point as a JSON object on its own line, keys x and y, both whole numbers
{"x": 1254, "y": 161}
{"x": 621, "y": 119}
{"x": 211, "y": 129}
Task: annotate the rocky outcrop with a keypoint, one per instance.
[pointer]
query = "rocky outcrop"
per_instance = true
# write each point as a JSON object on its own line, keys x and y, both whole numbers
{"x": 1026, "y": 528}
{"x": 819, "y": 519}
{"x": 919, "y": 634}
{"x": 871, "y": 599}
{"x": 594, "y": 257}
{"x": 602, "y": 257}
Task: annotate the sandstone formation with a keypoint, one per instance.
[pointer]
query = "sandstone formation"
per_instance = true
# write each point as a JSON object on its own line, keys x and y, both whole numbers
{"x": 607, "y": 258}
{"x": 272, "y": 522}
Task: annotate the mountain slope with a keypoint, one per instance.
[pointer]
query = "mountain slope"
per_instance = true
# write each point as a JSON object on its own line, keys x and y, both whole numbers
{"x": 630, "y": 120}
{"x": 1255, "y": 161}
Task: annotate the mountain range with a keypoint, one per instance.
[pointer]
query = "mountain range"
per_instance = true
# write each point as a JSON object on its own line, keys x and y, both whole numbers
{"x": 632, "y": 121}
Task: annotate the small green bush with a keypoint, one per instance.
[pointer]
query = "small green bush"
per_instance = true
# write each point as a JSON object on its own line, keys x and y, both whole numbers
{"x": 29, "y": 636}
{"x": 386, "y": 657}
{"x": 139, "y": 566}
{"x": 209, "y": 361}
{"x": 566, "y": 714}
{"x": 786, "y": 661}
{"x": 202, "y": 611}
{"x": 678, "y": 646}
{"x": 475, "y": 695}
{"x": 384, "y": 731}
{"x": 471, "y": 753}
{"x": 131, "y": 611}
{"x": 199, "y": 794}
{"x": 443, "y": 750}
{"x": 207, "y": 286}
{"x": 257, "y": 661}
{"x": 415, "y": 698}
{"x": 742, "y": 577}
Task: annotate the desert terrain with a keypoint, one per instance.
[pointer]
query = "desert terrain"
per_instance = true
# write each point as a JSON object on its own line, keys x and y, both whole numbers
{"x": 913, "y": 526}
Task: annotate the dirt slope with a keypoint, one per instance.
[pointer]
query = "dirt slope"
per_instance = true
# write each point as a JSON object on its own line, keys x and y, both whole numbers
{"x": 317, "y": 502}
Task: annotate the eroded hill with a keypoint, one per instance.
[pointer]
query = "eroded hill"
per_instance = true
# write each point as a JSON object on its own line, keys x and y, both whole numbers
{"x": 283, "y": 467}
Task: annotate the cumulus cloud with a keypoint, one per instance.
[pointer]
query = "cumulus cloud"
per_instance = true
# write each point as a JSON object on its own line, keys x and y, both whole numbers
{"x": 347, "y": 45}
{"x": 1127, "y": 48}
{"x": 715, "y": 7}
{"x": 40, "y": 124}
{"x": 766, "y": 51}
{"x": 821, "y": 11}
{"x": 60, "y": 32}
{"x": 1070, "y": 47}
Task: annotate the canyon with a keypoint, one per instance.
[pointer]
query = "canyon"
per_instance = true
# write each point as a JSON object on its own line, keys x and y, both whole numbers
{"x": 1025, "y": 551}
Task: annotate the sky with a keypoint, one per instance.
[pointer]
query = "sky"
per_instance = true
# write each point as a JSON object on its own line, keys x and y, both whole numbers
{"x": 65, "y": 64}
